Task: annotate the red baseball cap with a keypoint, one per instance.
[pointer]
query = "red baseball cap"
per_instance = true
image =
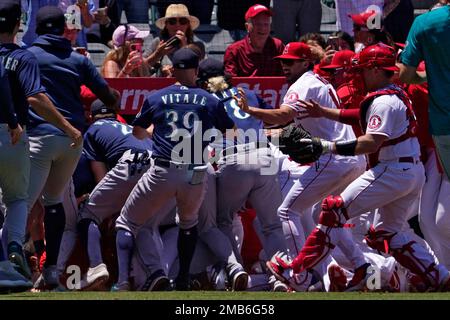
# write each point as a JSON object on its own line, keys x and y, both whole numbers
{"x": 256, "y": 9}
{"x": 360, "y": 19}
{"x": 341, "y": 59}
{"x": 296, "y": 51}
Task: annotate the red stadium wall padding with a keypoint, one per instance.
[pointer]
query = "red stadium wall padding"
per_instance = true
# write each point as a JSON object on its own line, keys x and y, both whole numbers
{"x": 134, "y": 90}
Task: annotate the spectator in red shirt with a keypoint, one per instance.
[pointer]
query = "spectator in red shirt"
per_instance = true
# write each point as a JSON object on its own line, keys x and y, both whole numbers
{"x": 253, "y": 55}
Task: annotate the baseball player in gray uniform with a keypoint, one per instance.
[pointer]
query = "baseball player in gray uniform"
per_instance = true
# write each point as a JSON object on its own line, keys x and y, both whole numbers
{"x": 180, "y": 111}
{"x": 12, "y": 147}
{"x": 53, "y": 161}
{"x": 25, "y": 83}
{"x": 215, "y": 241}
{"x": 248, "y": 162}
{"x": 121, "y": 159}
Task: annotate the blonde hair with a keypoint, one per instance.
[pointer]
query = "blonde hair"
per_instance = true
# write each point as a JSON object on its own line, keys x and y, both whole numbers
{"x": 118, "y": 55}
{"x": 217, "y": 84}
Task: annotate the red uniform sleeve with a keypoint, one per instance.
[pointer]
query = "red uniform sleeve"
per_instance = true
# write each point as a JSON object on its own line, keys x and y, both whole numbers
{"x": 121, "y": 119}
{"x": 87, "y": 97}
{"x": 349, "y": 116}
{"x": 419, "y": 98}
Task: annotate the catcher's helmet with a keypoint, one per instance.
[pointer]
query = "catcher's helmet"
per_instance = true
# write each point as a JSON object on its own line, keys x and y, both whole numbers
{"x": 378, "y": 55}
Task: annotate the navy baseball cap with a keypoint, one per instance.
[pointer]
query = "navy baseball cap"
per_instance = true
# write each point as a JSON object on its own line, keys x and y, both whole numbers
{"x": 185, "y": 58}
{"x": 10, "y": 12}
{"x": 98, "y": 107}
{"x": 209, "y": 68}
{"x": 50, "y": 20}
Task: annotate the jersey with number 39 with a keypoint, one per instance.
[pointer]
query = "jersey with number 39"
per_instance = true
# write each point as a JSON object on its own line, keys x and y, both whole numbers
{"x": 308, "y": 87}
{"x": 179, "y": 112}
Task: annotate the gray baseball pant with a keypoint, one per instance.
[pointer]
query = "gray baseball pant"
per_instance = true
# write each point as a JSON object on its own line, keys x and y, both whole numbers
{"x": 14, "y": 179}
{"x": 53, "y": 162}
{"x": 238, "y": 182}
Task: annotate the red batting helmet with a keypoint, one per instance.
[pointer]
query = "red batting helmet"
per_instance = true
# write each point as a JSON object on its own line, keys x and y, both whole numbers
{"x": 378, "y": 55}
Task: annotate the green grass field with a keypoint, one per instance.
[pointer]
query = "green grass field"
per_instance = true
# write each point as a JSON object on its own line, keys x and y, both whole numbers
{"x": 211, "y": 295}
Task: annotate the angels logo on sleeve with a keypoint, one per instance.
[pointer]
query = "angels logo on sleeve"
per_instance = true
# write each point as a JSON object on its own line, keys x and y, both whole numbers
{"x": 291, "y": 99}
{"x": 374, "y": 122}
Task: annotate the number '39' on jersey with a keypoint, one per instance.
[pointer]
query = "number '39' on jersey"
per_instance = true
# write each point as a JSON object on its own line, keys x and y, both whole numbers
{"x": 179, "y": 112}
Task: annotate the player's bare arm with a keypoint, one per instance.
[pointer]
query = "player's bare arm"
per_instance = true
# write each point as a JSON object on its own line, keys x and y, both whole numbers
{"x": 99, "y": 170}
{"x": 45, "y": 108}
{"x": 283, "y": 115}
{"x": 315, "y": 110}
{"x": 410, "y": 75}
{"x": 15, "y": 134}
{"x": 141, "y": 133}
{"x": 110, "y": 97}
{"x": 368, "y": 143}
{"x": 88, "y": 19}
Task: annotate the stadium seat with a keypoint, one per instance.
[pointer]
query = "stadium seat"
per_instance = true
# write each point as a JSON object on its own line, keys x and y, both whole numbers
{"x": 98, "y": 52}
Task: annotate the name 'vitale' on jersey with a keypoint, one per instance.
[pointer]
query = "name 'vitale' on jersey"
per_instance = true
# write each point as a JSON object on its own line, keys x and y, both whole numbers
{"x": 184, "y": 98}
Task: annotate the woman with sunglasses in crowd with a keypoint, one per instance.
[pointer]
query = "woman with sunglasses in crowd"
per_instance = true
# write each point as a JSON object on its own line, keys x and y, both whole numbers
{"x": 177, "y": 28}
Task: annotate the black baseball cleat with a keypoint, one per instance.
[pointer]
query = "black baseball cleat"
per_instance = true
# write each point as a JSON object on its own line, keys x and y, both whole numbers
{"x": 238, "y": 279}
{"x": 17, "y": 258}
{"x": 183, "y": 284}
{"x": 157, "y": 281}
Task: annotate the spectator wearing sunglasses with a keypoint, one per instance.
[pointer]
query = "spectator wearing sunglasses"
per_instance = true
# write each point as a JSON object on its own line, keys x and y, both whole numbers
{"x": 178, "y": 26}
{"x": 125, "y": 60}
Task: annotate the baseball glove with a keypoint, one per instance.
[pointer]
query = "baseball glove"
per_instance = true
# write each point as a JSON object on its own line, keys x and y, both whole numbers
{"x": 300, "y": 145}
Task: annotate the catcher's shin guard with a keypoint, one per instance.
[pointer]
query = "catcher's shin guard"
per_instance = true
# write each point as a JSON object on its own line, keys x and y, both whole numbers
{"x": 318, "y": 244}
{"x": 379, "y": 239}
{"x": 426, "y": 270}
{"x": 428, "y": 273}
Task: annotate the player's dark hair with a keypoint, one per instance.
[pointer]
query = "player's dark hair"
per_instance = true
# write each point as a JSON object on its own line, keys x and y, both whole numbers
{"x": 11, "y": 17}
{"x": 382, "y": 36}
{"x": 199, "y": 48}
{"x": 8, "y": 27}
{"x": 104, "y": 116}
{"x": 346, "y": 37}
{"x": 388, "y": 73}
{"x": 314, "y": 37}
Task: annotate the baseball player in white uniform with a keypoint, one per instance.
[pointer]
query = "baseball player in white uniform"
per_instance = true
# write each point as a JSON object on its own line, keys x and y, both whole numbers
{"x": 331, "y": 173}
{"x": 391, "y": 185}
{"x": 434, "y": 209}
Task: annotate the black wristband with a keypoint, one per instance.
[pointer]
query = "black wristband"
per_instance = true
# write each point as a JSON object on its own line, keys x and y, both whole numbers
{"x": 346, "y": 148}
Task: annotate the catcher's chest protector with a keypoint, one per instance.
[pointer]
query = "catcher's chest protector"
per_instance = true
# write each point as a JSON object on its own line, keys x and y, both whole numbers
{"x": 401, "y": 94}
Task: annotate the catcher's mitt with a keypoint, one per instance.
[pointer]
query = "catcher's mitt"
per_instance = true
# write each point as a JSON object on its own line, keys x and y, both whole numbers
{"x": 300, "y": 145}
